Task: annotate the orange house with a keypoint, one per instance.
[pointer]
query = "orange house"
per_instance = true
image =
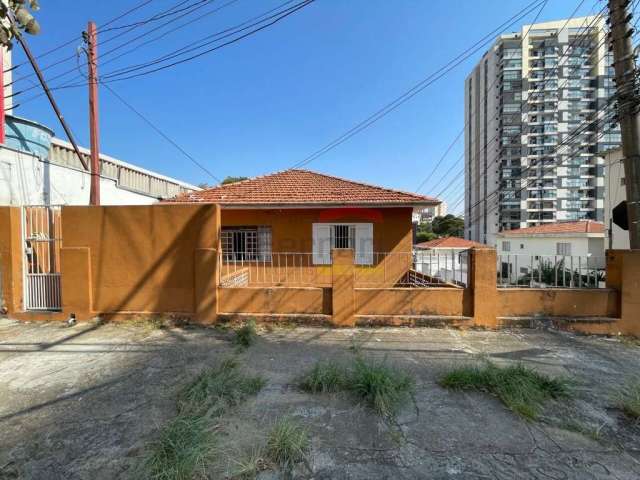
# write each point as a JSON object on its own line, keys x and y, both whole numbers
{"x": 281, "y": 229}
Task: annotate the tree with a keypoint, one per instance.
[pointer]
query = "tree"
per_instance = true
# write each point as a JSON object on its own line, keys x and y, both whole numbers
{"x": 448, "y": 226}
{"x": 24, "y": 20}
{"x": 424, "y": 233}
{"x": 228, "y": 180}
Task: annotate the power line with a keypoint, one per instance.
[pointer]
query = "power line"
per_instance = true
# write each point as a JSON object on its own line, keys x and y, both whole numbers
{"x": 78, "y": 37}
{"x": 127, "y": 43}
{"x": 160, "y": 132}
{"x": 428, "y": 177}
{"x": 417, "y": 88}
{"x": 276, "y": 18}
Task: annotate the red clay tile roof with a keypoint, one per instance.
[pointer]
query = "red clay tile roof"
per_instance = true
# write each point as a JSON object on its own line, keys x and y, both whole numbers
{"x": 582, "y": 226}
{"x": 303, "y": 187}
{"x": 450, "y": 242}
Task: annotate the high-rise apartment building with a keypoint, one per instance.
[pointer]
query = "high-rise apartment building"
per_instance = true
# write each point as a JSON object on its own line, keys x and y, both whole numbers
{"x": 537, "y": 116}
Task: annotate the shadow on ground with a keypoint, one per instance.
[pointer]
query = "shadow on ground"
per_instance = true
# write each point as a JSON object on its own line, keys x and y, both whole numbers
{"x": 82, "y": 402}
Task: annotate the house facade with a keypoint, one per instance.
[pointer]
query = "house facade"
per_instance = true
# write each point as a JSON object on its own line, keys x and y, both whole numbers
{"x": 525, "y": 254}
{"x": 445, "y": 258}
{"x": 283, "y": 227}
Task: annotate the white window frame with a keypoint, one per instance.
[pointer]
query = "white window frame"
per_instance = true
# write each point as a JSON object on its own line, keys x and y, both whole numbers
{"x": 506, "y": 246}
{"x": 360, "y": 240}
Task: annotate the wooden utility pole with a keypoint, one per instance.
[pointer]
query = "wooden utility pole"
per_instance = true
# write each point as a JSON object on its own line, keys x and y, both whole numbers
{"x": 628, "y": 103}
{"x": 92, "y": 61}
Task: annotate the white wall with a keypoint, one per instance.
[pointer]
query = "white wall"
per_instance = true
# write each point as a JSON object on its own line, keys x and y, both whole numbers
{"x": 546, "y": 245}
{"x": 26, "y": 180}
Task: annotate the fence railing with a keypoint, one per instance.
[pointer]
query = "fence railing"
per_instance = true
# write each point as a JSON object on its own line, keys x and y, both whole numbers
{"x": 418, "y": 269}
{"x": 387, "y": 269}
{"x": 551, "y": 271}
{"x": 290, "y": 269}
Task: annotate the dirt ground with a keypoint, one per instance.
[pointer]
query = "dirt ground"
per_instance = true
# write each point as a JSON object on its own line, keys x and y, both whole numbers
{"x": 82, "y": 402}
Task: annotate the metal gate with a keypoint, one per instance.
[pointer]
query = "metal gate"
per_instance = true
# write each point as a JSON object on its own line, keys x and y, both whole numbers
{"x": 42, "y": 234}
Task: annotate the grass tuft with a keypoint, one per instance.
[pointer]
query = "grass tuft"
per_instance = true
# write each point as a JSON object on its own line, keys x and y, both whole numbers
{"x": 246, "y": 335}
{"x": 324, "y": 377}
{"x": 217, "y": 388}
{"x": 288, "y": 443}
{"x": 628, "y": 400}
{"x": 185, "y": 448}
{"x": 382, "y": 387}
{"x": 520, "y": 388}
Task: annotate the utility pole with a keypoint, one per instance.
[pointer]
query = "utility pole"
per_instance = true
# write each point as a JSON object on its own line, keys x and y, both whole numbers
{"x": 36, "y": 69}
{"x": 91, "y": 38}
{"x": 628, "y": 102}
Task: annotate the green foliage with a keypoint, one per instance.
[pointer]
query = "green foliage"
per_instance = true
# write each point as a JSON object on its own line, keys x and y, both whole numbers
{"x": 628, "y": 400}
{"x": 520, "y": 388}
{"x": 185, "y": 448}
{"x": 218, "y": 388}
{"x": 21, "y": 11}
{"x": 246, "y": 335}
{"x": 288, "y": 443}
{"x": 324, "y": 377}
{"x": 382, "y": 387}
{"x": 228, "y": 180}
{"x": 448, "y": 226}
{"x": 549, "y": 273}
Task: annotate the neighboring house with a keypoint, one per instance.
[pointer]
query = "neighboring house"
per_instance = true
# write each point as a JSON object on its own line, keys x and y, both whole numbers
{"x": 445, "y": 258}
{"x": 577, "y": 246}
{"x": 614, "y": 193}
{"x": 427, "y": 214}
{"x": 37, "y": 169}
{"x": 292, "y": 220}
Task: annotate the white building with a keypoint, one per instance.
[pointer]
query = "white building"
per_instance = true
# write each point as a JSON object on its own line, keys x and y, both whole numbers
{"x": 614, "y": 193}
{"x": 37, "y": 169}
{"x": 445, "y": 258}
{"x": 427, "y": 214}
{"x": 554, "y": 247}
{"x": 529, "y": 160}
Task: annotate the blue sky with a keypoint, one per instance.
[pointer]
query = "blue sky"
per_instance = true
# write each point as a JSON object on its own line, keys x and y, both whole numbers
{"x": 270, "y": 100}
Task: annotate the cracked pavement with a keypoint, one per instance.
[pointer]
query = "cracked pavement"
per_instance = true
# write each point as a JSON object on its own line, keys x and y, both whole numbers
{"x": 82, "y": 402}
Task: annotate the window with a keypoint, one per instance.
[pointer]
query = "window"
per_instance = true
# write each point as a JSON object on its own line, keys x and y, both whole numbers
{"x": 506, "y": 246}
{"x": 521, "y": 246}
{"x": 327, "y": 236}
{"x": 246, "y": 244}
{"x": 563, "y": 248}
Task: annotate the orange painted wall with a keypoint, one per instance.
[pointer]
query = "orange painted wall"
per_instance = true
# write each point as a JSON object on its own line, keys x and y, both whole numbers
{"x": 11, "y": 259}
{"x": 142, "y": 258}
{"x": 291, "y": 232}
{"x": 413, "y": 301}
{"x": 277, "y": 300}
{"x": 560, "y": 302}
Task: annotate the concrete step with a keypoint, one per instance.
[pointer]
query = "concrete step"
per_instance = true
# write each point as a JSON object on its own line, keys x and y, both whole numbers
{"x": 411, "y": 320}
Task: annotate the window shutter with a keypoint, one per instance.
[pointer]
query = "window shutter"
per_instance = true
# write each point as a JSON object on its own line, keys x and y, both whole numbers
{"x": 364, "y": 244}
{"x": 321, "y": 244}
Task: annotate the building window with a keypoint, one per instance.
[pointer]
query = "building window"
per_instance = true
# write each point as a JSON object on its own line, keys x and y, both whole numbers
{"x": 521, "y": 246}
{"x": 563, "y": 248}
{"x": 327, "y": 236}
{"x": 506, "y": 246}
{"x": 246, "y": 244}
